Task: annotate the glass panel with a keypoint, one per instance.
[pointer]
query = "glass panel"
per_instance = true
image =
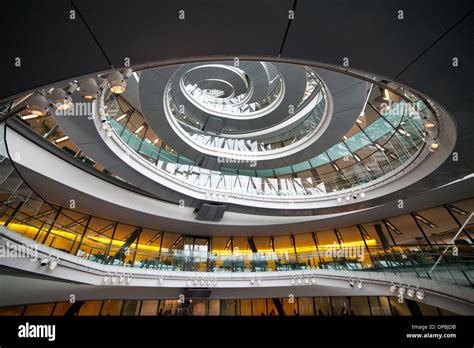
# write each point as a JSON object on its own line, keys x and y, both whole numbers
{"x": 385, "y": 305}
{"x": 340, "y": 306}
{"x": 39, "y": 309}
{"x": 245, "y": 307}
{"x": 322, "y": 306}
{"x": 359, "y": 306}
{"x": 131, "y": 307}
{"x": 290, "y": 306}
{"x": 168, "y": 307}
{"x": 427, "y": 309}
{"x": 272, "y": 311}
{"x": 319, "y": 160}
{"x": 338, "y": 151}
{"x": 229, "y": 307}
{"x": 214, "y": 307}
{"x": 198, "y": 307}
{"x": 378, "y": 128}
{"x": 399, "y": 308}
{"x": 61, "y": 308}
{"x": 90, "y": 308}
{"x": 259, "y": 307}
{"x": 149, "y": 307}
{"x": 111, "y": 307}
{"x": 12, "y": 311}
{"x": 305, "y": 306}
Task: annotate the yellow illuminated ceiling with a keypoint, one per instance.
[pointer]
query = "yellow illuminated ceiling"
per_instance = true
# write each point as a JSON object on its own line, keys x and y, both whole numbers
{"x": 103, "y": 242}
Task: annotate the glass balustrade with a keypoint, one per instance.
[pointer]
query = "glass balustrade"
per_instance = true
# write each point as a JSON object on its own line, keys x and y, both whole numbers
{"x": 112, "y": 243}
{"x": 381, "y": 147}
{"x": 233, "y": 105}
{"x": 252, "y": 146}
{"x": 385, "y": 139}
{"x": 407, "y": 261}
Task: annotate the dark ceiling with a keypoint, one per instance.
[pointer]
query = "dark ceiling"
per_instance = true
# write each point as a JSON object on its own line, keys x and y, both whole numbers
{"x": 416, "y": 51}
{"x": 54, "y": 48}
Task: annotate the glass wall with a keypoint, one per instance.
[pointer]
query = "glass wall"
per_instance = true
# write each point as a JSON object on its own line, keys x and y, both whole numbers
{"x": 407, "y": 242}
{"x": 303, "y": 306}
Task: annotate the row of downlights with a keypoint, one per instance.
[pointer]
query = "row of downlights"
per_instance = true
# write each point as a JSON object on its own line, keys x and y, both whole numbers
{"x": 410, "y": 291}
{"x": 60, "y": 98}
{"x": 121, "y": 278}
{"x": 402, "y": 290}
{"x": 52, "y": 263}
{"x": 38, "y": 104}
{"x": 299, "y": 280}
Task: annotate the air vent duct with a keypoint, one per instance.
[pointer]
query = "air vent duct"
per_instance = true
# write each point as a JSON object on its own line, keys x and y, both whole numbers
{"x": 210, "y": 212}
{"x": 196, "y": 293}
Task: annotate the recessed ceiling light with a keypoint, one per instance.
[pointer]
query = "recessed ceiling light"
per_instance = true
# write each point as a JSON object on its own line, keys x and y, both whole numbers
{"x": 29, "y": 117}
{"x": 457, "y": 210}
{"x": 378, "y": 146}
{"x": 139, "y": 129}
{"x": 429, "y": 124}
{"x": 60, "y": 140}
{"x": 121, "y": 117}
